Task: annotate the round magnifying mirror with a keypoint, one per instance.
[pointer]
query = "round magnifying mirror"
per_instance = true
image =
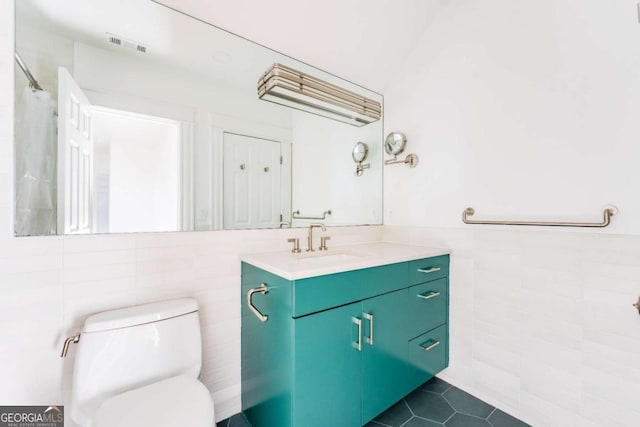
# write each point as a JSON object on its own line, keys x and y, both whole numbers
{"x": 360, "y": 151}
{"x": 394, "y": 143}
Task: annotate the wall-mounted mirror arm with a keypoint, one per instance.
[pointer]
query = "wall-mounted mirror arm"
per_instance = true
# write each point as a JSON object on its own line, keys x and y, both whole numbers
{"x": 411, "y": 160}
{"x": 359, "y": 154}
{"x": 360, "y": 168}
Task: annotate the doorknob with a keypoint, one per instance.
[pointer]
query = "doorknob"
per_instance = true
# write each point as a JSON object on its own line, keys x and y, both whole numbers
{"x": 242, "y": 166}
{"x": 637, "y": 305}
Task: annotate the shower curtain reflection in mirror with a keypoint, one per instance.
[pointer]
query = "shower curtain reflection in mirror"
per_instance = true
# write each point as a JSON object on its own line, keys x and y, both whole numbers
{"x": 35, "y": 164}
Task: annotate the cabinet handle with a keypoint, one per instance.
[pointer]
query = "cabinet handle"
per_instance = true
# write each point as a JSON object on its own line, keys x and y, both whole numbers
{"x": 429, "y": 270}
{"x": 369, "y": 317}
{"x": 358, "y": 344}
{"x": 428, "y": 294}
{"x": 434, "y": 343}
{"x": 263, "y": 290}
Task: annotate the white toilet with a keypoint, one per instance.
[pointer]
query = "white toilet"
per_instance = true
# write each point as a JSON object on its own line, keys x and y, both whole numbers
{"x": 139, "y": 366}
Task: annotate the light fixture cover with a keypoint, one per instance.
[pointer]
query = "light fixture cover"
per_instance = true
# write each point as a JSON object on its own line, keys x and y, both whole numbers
{"x": 286, "y": 86}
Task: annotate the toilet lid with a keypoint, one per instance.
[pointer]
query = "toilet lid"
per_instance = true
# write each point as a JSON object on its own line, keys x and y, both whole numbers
{"x": 175, "y": 402}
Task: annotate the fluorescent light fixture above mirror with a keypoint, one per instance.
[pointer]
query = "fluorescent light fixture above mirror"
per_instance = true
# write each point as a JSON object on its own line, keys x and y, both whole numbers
{"x": 284, "y": 85}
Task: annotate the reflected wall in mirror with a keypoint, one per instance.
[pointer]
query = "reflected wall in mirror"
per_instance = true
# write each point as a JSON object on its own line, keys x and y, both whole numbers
{"x": 149, "y": 120}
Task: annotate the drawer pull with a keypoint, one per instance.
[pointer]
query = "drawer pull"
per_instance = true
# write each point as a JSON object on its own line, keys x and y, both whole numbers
{"x": 358, "y": 344}
{"x": 434, "y": 343}
{"x": 429, "y": 270}
{"x": 428, "y": 294}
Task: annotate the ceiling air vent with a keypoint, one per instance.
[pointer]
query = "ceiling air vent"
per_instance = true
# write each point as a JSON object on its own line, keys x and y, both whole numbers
{"x": 128, "y": 44}
{"x": 114, "y": 40}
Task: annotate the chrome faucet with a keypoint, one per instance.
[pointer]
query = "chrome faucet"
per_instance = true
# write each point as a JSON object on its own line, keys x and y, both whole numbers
{"x": 310, "y": 238}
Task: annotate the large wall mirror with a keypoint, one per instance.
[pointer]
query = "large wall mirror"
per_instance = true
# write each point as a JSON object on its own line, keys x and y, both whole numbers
{"x": 138, "y": 118}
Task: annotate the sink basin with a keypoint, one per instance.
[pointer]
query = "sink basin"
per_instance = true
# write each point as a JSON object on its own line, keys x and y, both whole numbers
{"x": 326, "y": 258}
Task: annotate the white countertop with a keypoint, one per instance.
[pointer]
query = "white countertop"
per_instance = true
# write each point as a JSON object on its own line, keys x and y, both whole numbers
{"x": 338, "y": 259}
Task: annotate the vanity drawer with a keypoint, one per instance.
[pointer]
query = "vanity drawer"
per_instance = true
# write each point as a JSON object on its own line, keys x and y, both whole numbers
{"x": 427, "y": 306}
{"x": 323, "y": 292}
{"x": 427, "y": 269}
{"x": 427, "y": 355}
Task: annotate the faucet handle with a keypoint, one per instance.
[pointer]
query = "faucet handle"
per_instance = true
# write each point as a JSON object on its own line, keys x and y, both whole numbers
{"x": 296, "y": 245}
{"x": 323, "y": 243}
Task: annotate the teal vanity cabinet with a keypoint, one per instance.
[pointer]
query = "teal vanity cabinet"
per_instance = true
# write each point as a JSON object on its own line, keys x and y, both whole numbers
{"x": 339, "y": 349}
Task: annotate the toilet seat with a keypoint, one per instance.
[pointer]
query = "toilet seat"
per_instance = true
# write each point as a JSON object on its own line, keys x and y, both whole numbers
{"x": 175, "y": 402}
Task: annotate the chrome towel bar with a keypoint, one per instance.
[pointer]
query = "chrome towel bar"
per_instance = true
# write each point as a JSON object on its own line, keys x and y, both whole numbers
{"x": 296, "y": 215}
{"x": 263, "y": 289}
{"x": 607, "y": 213}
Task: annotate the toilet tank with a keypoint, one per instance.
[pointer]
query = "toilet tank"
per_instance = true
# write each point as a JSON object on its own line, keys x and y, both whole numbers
{"x": 127, "y": 348}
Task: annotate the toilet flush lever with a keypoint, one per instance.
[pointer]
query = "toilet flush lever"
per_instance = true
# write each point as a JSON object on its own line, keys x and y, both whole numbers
{"x": 637, "y": 305}
{"x": 65, "y": 348}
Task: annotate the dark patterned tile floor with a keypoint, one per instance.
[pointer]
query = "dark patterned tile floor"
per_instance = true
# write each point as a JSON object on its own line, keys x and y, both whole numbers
{"x": 236, "y": 420}
{"x": 436, "y": 403}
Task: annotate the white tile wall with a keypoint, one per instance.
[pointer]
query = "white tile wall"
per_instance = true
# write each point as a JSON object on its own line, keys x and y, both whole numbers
{"x": 541, "y": 321}
{"x": 49, "y": 285}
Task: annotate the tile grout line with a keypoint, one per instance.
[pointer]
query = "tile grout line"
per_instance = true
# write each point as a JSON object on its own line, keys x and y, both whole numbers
{"x": 432, "y": 421}
{"x": 433, "y": 392}
{"x": 408, "y": 407}
{"x": 451, "y": 416}
{"x": 494, "y": 410}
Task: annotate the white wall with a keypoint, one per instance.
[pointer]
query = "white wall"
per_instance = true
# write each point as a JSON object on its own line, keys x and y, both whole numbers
{"x": 520, "y": 109}
{"x": 49, "y": 285}
{"x": 528, "y": 109}
{"x": 143, "y": 171}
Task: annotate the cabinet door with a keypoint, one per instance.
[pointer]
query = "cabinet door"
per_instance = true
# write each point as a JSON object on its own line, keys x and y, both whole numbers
{"x": 267, "y": 352}
{"x": 327, "y": 368}
{"x": 385, "y": 338}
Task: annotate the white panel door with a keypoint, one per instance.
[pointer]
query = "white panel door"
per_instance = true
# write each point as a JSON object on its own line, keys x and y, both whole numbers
{"x": 252, "y": 182}
{"x": 75, "y": 158}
